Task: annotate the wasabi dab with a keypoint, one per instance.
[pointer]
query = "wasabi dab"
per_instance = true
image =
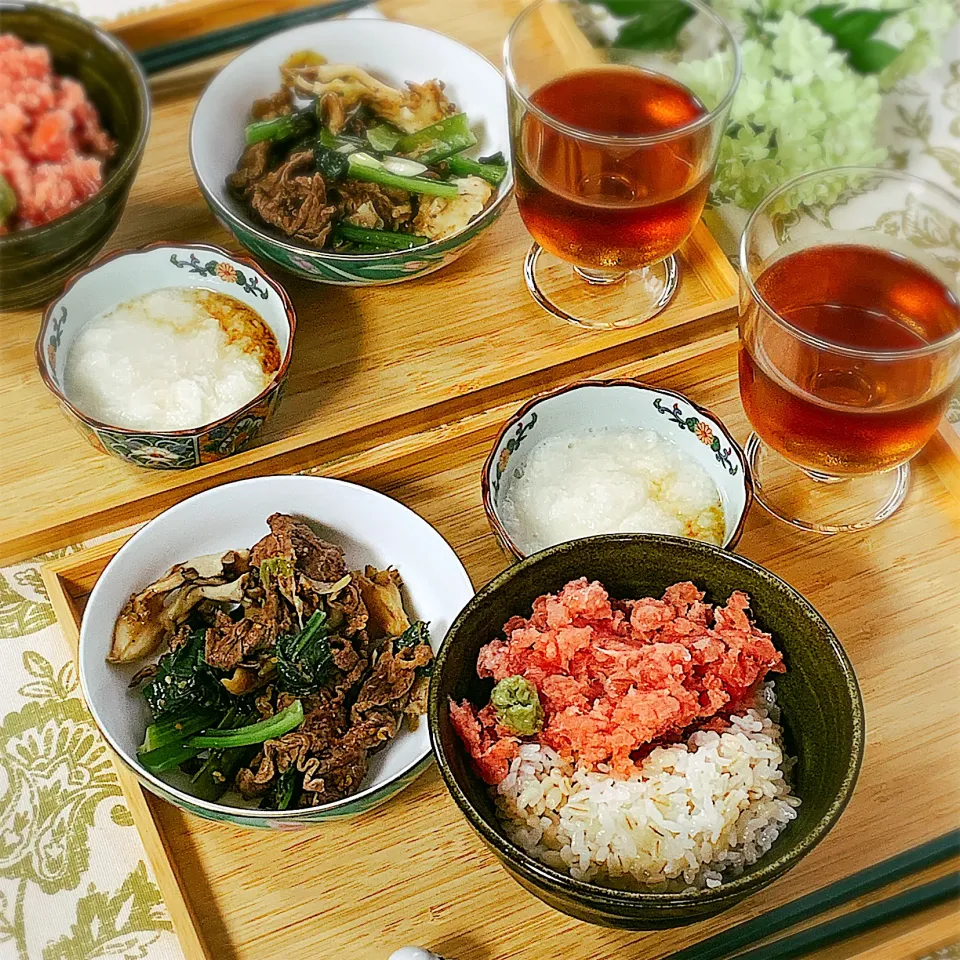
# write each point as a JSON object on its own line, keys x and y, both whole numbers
{"x": 518, "y": 706}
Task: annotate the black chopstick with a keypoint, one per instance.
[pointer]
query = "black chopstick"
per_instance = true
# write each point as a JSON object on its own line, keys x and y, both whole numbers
{"x": 834, "y": 895}
{"x": 859, "y": 921}
{"x": 181, "y": 52}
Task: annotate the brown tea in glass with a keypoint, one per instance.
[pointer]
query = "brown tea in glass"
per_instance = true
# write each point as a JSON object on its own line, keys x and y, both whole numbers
{"x": 613, "y": 153}
{"x": 604, "y": 206}
{"x": 849, "y": 351}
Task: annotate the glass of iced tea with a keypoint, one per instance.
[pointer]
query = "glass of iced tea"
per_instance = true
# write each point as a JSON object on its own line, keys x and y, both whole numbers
{"x": 616, "y": 115}
{"x": 849, "y": 340}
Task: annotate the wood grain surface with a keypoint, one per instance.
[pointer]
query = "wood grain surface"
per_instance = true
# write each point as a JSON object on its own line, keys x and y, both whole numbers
{"x": 412, "y": 871}
{"x": 157, "y": 25}
{"x": 368, "y": 364}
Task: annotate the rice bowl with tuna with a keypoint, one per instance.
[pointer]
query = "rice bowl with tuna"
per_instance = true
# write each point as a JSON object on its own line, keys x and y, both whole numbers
{"x": 634, "y": 743}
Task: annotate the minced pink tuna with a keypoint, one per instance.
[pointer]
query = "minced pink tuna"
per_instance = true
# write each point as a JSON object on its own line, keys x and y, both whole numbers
{"x": 614, "y": 677}
{"x": 52, "y": 145}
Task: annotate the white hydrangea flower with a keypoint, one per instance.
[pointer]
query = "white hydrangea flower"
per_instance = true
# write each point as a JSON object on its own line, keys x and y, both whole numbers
{"x": 800, "y": 105}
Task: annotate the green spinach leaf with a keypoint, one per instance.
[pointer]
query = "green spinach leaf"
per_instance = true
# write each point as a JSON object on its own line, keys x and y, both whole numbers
{"x": 304, "y": 660}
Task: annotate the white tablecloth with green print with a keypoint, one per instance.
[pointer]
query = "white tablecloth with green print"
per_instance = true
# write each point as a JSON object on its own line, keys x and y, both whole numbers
{"x": 74, "y": 882}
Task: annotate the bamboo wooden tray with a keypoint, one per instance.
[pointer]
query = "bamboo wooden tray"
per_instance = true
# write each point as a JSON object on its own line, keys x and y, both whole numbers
{"x": 369, "y": 365}
{"x": 413, "y": 871}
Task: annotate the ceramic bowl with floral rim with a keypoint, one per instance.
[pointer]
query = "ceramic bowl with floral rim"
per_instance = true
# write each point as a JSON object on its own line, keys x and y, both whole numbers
{"x": 618, "y": 405}
{"x": 393, "y": 52}
{"x": 132, "y": 273}
{"x": 369, "y": 526}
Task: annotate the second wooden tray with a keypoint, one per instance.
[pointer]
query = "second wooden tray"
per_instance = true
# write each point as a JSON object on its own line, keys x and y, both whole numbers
{"x": 412, "y": 871}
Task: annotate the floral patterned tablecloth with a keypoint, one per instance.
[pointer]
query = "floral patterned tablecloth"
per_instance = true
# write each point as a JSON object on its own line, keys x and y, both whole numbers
{"x": 74, "y": 882}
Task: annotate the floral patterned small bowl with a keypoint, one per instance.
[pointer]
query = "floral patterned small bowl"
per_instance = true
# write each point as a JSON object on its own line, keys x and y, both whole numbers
{"x": 132, "y": 273}
{"x": 619, "y": 404}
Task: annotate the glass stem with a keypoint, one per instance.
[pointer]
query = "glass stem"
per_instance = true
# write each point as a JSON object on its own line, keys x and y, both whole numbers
{"x": 602, "y": 278}
{"x": 824, "y": 478}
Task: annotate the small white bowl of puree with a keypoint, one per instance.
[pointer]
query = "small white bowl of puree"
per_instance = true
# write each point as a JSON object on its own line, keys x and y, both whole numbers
{"x": 170, "y": 356}
{"x": 614, "y": 456}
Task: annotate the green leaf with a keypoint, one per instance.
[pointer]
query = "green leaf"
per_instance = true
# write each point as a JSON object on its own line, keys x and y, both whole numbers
{"x": 655, "y": 26}
{"x": 851, "y": 26}
{"x": 625, "y": 8}
{"x": 916, "y": 126}
{"x": 37, "y": 666}
{"x": 38, "y": 690}
{"x": 123, "y": 924}
{"x": 949, "y": 160}
{"x": 872, "y": 56}
{"x": 20, "y": 616}
{"x": 67, "y": 679}
{"x": 852, "y": 32}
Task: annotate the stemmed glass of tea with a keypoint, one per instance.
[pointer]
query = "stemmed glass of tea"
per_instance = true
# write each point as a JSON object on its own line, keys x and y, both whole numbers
{"x": 849, "y": 340}
{"x": 613, "y": 150}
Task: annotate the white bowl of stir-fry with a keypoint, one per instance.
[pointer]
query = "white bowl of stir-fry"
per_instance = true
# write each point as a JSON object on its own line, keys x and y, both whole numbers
{"x": 260, "y": 653}
{"x": 355, "y": 151}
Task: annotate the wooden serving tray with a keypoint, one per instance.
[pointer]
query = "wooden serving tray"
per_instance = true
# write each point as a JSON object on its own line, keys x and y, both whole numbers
{"x": 369, "y": 365}
{"x": 412, "y": 871}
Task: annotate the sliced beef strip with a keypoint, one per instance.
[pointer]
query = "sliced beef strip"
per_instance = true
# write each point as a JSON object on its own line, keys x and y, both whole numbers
{"x": 334, "y": 777}
{"x": 228, "y": 643}
{"x": 293, "y": 198}
{"x": 252, "y": 166}
{"x": 392, "y": 680}
{"x": 325, "y": 723}
{"x": 318, "y": 559}
{"x": 278, "y": 104}
{"x": 293, "y": 539}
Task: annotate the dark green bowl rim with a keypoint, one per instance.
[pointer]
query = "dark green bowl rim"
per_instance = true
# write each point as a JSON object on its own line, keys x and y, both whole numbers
{"x": 593, "y": 893}
{"x": 118, "y": 176}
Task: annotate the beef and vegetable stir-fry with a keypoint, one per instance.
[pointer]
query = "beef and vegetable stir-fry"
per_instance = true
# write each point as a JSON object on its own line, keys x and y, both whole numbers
{"x": 337, "y": 159}
{"x": 283, "y": 670}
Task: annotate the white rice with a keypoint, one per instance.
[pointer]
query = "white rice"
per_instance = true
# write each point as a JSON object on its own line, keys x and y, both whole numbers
{"x": 699, "y": 812}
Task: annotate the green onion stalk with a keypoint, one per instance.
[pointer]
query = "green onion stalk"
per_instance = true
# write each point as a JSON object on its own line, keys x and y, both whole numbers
{"x": 278, "y": 129}
{"x": 379, "y": 240}
{"x": 438, "y": 141}
{"x": 461, "y": 166}
{"x": 364, "y": 167}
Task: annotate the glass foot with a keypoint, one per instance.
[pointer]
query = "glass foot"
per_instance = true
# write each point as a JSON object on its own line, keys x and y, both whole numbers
{"x": 819, "y": 502}
{"x": 597, "y": 299}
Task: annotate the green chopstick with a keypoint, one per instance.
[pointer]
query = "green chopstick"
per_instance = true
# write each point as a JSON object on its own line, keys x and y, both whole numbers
{"x": 181, "y": 52}
{"x": 835, "y": 894}
{"x": 859, "y": 921}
